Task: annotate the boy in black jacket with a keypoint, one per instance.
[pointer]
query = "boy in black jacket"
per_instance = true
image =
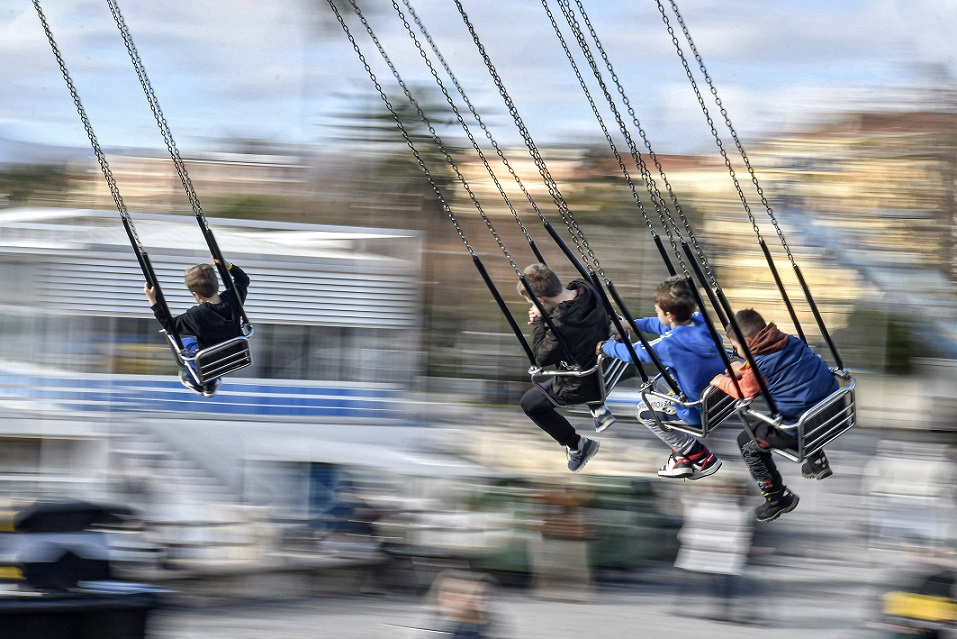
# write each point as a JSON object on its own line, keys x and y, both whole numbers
{"x": 579, "y": 316}
{"x": 215, "y": 318}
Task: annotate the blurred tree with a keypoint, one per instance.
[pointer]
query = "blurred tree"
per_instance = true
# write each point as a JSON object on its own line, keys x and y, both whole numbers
{"x": 880, "y": 341}
{"x": 38, "y": 183}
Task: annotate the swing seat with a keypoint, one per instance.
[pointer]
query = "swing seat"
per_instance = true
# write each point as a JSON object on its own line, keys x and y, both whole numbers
{"x": 820, "y": 425}
{"x": 217, "y": 360}
{"x": 715, "y": 407}
{"x": 611, "y": 369}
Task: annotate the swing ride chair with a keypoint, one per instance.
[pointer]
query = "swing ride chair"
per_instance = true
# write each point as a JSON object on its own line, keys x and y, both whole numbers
{"x": 217, "y": 360}
{"x": 715, "y": 407}
{"x": 817, "y": 427}
{"x": 608, "y": 369}
{"x": 214, "y": 361}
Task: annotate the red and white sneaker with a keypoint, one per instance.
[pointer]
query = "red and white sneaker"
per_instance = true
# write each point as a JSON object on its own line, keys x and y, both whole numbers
{"x": 704, "y": 463}
{"x": 677, "y": 467}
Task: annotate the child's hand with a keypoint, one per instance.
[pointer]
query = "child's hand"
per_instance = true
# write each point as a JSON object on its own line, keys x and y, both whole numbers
{"x": 533, "y": 314}
{"x": 150, "y": 293}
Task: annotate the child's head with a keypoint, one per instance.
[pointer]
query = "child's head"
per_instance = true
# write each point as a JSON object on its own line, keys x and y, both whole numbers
{"x": 675, "y": 297}
{"x": 201, "y": 279}
{"x": 749, "y": 321}
{"x": 542, "y": 280}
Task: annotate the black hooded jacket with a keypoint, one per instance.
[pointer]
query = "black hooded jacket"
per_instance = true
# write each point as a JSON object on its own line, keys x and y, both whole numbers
{"x": 582, "y": 323}
{"x": 213, "y": 324}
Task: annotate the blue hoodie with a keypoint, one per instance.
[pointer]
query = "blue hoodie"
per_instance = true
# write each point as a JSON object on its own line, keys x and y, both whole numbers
{"x": 687, "y": 351}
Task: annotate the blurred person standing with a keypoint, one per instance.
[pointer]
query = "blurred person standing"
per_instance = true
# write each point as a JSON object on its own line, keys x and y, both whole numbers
{"x": 577, "y": 313}
{"x": 559, "y": 553}
{"x": 461, "y": 607}
{"x": 910, "y": 486}
{"x": 715, "y": 542}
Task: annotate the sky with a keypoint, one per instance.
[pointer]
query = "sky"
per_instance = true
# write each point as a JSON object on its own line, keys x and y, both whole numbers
{"x": 284, "y": 71}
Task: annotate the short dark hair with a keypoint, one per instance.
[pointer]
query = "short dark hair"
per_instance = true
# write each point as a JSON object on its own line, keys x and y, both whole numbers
{"x": 201, "y": 279}
{"x": 542, "y": 280}
{"x": 674, "y": 296}
{"x": 749, "y": 321}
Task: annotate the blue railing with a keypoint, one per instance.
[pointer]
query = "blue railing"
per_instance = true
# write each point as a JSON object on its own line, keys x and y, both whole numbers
{"x": 242, "y": 397}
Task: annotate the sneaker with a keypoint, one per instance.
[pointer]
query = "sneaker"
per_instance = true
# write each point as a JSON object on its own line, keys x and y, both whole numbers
{"x": 186, "y": 380}
{"x": 210, "y": 388}
{"x": 775, "y": 505}
{"x": 578, "y": 458}
{"x": 816, "y": 467}
{"x": 603, "y": 418}
{"x": 704, "y": 463}
{"x": 677, "y": 467}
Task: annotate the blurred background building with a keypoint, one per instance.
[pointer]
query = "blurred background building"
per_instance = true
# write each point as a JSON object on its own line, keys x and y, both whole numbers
{"x": 383, "y": 372}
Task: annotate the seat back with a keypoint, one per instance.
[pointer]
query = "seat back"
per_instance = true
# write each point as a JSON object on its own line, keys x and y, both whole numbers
{"x": 608, "y": 369}
{"x": 827, "y": 421}
{"x": 222, "y": 359}
{"x": 715, "y": 407}
{"x": 819, "y": 425}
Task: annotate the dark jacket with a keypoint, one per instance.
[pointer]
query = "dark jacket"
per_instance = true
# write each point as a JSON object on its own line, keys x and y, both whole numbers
{"x": 212, "y": 324}
{"x": 797, "y": 378}
{"x": 582, "y": 323}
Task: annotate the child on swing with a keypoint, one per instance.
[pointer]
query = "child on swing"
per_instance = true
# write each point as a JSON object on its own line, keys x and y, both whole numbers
{"x": 687, "y": 350}
{"x": 215, "y": 318}
{"x": 580, "y": 318}
{"x": 797, "y": 379}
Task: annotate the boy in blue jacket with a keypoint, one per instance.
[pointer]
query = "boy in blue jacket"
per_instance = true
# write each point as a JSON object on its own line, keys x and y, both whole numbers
{"x": 692, "y": 358}
{"x": 797, "y": 379}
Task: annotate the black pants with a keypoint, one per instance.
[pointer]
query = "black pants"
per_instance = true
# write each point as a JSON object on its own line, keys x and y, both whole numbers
{"x": 541, "y": 410}
{"x": 757, "y": 454}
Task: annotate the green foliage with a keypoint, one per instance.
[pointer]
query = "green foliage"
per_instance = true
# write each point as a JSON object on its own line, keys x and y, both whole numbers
{"x": 33, "y": 183}
{"x": 880, "y": 341}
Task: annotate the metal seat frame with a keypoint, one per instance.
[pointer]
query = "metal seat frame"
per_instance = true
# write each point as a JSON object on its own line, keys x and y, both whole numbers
{"x": 715, "y": 407}
{"x": 818, "y": 426}
{"x": 217, "y": 360}
{"x": 611, "y": 370}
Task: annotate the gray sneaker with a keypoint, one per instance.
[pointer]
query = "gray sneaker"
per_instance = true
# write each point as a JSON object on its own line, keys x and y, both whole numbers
{"x": 603, "y": 417}
{"x": 578, "y": 458}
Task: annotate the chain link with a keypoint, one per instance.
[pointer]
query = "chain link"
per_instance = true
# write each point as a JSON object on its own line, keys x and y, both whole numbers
{"x": 157, "y": 111}
{"x": 476, "y": 116}
{"x": 462, "y": 122}
{"x": 702, "y": 258}
{"x": 734, "y": 135}
{"x": 576, "y": 235}
{"x": 402, "y": 129}
{"x": 434, "y": 134}
{"x": 88, "y": 127}
{"x": 649, "y": 182}
{"x": 707, "y": 115}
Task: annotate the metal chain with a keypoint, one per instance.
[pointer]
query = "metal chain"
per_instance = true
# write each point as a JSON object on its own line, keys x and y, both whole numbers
{"x": 100, "y": 156}
{"x": 474, "y": 112}
{"x": 734, "y": 135}
{"x": 707, "y": 115}
{"x": 402, "y": 129}
{"x": 660, "y": 207}
{"x": 435, "y": 137}
{"x": 460, "y": 119}
{"x": 702, "y": 258}
{"x": 577, "y": 236}
{"x": 157, "y": 111}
